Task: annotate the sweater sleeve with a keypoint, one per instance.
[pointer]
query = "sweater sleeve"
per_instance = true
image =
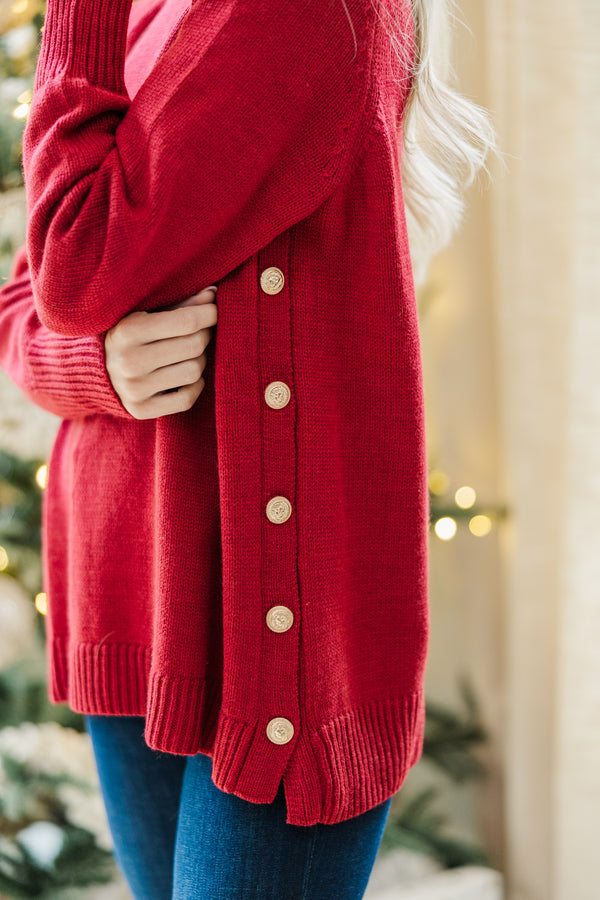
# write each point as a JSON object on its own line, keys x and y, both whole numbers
{"x": 65, "y": 375}
{"x": 242, "y": 128}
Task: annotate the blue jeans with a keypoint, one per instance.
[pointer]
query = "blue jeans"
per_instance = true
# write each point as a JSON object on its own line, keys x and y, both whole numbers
{"x": 179, "y": 837}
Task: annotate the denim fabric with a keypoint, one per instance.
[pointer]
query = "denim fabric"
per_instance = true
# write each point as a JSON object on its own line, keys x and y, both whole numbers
{"x": 179, "y": 837}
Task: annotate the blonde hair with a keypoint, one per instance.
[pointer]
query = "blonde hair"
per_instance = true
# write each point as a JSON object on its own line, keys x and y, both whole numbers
{"x": 446, "y": 136}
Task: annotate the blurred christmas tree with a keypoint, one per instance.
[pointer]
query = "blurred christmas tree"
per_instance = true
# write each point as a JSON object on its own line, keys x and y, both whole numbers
{"x": 20, "y": 24}
{"x": 53, "y": 829}
{"x": 23, "y": 695}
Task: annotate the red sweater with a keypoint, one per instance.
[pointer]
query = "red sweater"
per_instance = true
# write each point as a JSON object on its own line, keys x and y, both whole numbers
{"x": 250, "y": 575}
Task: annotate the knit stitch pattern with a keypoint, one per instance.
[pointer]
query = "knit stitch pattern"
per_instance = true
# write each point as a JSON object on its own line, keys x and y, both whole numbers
{"x": 172, "y": 145}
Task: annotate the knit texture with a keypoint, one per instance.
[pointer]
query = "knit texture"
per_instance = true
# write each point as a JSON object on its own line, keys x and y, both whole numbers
{"x": 170, "y": 146}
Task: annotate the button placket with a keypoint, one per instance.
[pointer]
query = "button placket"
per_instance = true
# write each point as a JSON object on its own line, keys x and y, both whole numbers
{"x": 279, "y": 526}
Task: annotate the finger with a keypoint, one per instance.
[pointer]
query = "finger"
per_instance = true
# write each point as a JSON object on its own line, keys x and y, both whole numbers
{"x": 181, "y": 321}
{"x": 168, "y": 404}
{"x": 205, "y": 296}
{"x": 172, "y": 377}
{"x": 150, "y": 357}
{"x": 144, "y": 327}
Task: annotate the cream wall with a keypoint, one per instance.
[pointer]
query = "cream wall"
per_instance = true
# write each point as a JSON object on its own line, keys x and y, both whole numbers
{"x": 512, "y": 353}
{"x": 461, "y": 383}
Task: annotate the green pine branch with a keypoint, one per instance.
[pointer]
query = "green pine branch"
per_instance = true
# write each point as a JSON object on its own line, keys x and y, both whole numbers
{"x": 451, "y": 736}
{"x": 80, "y": 863}
{"x": 421, "y": 829}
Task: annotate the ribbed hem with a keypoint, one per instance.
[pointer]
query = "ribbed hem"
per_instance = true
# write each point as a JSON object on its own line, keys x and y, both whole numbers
{"x": 354, "y": 762}
{"x": 73, "y": 371}
{"x": 335, "y": 772}
{"x": 85, "y": 39}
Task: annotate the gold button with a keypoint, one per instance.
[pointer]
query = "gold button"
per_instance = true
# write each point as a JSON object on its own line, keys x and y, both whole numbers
{"x": 271, "y": 280}
{"x": 279, "y": 509}
{"x": 277, "y": 394}
{"x": 280, "y": 618}
{"x": 280, "y": 730}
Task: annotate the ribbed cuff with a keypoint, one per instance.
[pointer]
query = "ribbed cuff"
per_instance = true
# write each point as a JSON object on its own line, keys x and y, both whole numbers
{"x": 181, "y": 714}
{"x": 74, "y": 372}
{"x": 85, "y": 39}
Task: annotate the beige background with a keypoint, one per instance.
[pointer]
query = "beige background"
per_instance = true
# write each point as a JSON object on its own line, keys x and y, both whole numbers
{"x": 512, "y": 352}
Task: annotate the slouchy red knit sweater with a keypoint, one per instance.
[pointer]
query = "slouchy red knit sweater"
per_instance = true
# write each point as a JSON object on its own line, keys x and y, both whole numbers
{"x": 251, "y": 574}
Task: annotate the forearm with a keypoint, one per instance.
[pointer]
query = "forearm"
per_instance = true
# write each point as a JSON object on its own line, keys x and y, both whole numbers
{"x": 65, "y": 375}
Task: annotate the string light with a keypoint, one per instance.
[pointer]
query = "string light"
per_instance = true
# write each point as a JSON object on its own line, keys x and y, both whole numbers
{"x": 21, "y": 111}
{"x": 480, "y": 525}
{"x": 465, "y": 497}
{"x": 41, "y": 603}
{"x": 462, "y": 510}
{"x": 3, "y": 558}
{"x": 41, "y": 476}
{"x": 445, "y": 528}
{"x": 438, "y": 482}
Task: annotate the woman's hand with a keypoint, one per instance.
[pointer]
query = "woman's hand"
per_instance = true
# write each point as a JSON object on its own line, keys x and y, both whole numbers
{"x": 150, "y": 355}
